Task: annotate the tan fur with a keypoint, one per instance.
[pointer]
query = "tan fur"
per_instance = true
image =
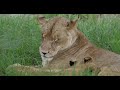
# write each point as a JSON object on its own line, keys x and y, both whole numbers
{"x": 80, "y": 49}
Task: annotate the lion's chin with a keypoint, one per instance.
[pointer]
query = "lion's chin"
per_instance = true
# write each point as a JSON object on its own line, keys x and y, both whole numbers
{"x": 48, "y": 57}
{"x": 45, "y": 60}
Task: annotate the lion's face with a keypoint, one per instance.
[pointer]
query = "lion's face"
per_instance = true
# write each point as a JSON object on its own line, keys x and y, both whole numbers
{"x": 57, "y": 35}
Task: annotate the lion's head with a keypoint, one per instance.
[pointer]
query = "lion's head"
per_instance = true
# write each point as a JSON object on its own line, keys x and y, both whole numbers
{"x": 57, "y": 35}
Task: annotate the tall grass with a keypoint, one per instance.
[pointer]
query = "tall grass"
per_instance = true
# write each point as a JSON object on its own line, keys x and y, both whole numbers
{"x": 19, "y": 41}
{"x": 20, "y": 36}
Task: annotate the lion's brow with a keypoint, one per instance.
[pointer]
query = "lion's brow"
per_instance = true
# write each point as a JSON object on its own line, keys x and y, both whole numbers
{"x": 54, "y": 24}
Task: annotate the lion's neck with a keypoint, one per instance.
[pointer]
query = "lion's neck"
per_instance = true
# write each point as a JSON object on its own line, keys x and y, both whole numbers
{"x": 80, "y": 42}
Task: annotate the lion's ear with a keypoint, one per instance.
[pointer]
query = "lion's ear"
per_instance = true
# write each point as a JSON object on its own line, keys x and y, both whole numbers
{"x": 42, "y": 20}
{"x": 73, "y": 24}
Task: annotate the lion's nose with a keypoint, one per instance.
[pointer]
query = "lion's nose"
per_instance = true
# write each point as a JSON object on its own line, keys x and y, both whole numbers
{"x": 44, "y": 53}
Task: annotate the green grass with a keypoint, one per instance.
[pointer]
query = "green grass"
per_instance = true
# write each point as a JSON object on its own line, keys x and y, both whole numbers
{"x": 20, "y": 36}
{"x": 19, "y": 41}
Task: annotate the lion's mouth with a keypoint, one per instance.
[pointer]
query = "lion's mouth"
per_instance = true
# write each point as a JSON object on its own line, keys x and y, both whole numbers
{"x": 48, "y": 56}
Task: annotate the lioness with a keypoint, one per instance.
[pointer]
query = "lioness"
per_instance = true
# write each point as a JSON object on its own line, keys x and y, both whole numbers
{"x": 65, "y": 46}
{"x": 63, "y": 43}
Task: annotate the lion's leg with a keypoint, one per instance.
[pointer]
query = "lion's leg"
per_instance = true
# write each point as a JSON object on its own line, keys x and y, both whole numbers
{"x": 18, "y": 69}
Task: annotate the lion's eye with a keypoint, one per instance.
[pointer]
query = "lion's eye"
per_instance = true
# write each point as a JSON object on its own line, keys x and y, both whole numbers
{"x": 43, "y": 34}
{"x": 56, "y": 39}
{"x": 68, "y": 24}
